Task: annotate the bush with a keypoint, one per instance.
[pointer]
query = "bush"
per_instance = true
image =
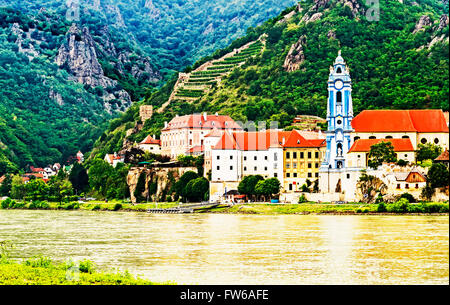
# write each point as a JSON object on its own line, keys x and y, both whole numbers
{"x": 38, "y": 262}
{"x": 18, "y": 205}
{"x": 117, "y": 207}
{"x": 71, "y": 206}
{"x": 302, "y": 199}
{"x": 400, "y": 206}
{"x": 381, "y": 207}
{"x": 6, "y": 204}
{"x": 408, "y": 197}
{"x": 86, "y": 266}
{"x": 402, "y": 162}
{"x": 96, "y": 207}
{"x": 42, "y": 205}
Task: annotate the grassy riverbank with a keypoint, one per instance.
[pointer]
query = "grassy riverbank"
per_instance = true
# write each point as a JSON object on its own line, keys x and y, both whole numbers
{"x": 42, "y": 271}
{"x": 400, "y": 207}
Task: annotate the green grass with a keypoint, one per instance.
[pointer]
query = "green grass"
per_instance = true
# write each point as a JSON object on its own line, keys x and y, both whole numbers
{"x": 314, "y": 208}
{"x": 42, "y": 271}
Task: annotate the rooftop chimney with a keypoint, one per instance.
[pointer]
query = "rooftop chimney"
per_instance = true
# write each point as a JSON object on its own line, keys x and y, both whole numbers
{"x": 165, "y": 124}
{"x": 154, "y": 137}
{"x": 217, "y": 114}
{"x": 284, "y": 141}
{"x": 205, "y": 116}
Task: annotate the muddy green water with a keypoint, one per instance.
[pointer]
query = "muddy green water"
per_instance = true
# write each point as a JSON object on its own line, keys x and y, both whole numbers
{"x": 241, "y": 249}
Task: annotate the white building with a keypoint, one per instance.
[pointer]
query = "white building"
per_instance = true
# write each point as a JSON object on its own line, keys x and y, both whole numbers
{"x": 150, "y": 144}
{"x": 114, "y": 159}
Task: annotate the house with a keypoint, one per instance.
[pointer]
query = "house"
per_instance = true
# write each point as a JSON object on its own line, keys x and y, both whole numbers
{"x": 211, "y": 140}
{"x": 359, "y": 152}
{"x": 114, "y": 159}
{"x": 150, "y": 144}
{"x": 443, "y": 158}
{"x": 284, "y": 155}
{"x": 185, "y": 132}
{"x": 420, "y": 126}
{"x": 80, "y": 157}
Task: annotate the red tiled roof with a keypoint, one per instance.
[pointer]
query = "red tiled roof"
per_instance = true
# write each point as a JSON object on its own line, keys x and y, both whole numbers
{"x": 400, "y": 121}
{"x": 364, "y": 145}
{"x": 36, "y": 169}
{"x": 266, "y": 139}
{"x": 198, "y": 148}
{"x": 214, "y": 133}
{"x": 150, "y": 140}
{"x": 198, "y": 121}
{"x": 35, "y": 174}
{"x": 443, "y": 157}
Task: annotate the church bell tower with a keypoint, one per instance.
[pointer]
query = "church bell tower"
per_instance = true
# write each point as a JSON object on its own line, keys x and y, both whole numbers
{"x": 339, "y": 116}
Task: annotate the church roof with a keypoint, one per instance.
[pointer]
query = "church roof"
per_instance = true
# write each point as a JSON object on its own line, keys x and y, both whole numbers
{"x": 422, "y": 121}
{"x": 364, "y": 145}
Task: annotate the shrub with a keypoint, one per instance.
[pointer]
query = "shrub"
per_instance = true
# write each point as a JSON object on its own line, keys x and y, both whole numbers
{"x": 402, "y": 162}
{"x": 381, "y": 207}
{"x": 400, "y": 206}
{"x": 7, "y": 203}
{"x": 86, "y": 266}
{"x": 42, "y": 262}
{"x": 96, "y": 207}
{"x": 408, "y": 197}
{"x": 18, "y": 205}
{"x": 71, "y": 206}
{"x": 168, "y": 198}
{"x": 117, "y": 207}
{"x": 302, "y": 199}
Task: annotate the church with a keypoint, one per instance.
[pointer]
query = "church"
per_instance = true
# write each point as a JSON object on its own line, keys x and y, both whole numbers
{"x": 349, "y": 138}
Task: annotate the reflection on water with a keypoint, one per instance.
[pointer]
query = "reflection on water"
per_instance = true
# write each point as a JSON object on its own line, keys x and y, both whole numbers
{"x": 241, "y": 249}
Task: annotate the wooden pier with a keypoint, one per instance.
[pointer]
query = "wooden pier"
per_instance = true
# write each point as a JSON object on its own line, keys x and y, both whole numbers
{"x": 183, "y": 209}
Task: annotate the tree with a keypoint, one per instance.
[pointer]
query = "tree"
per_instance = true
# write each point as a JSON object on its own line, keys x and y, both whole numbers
{"x": 268, "y": 188}
{"x": 381, "y": 153}
{"x": 428, "y": 151}
{"x": 248, "y": 185}
{"x": 5, "y": 187}
{"x": 180, "y": 185}
{"x": 79, "y": 178}
{"x": 17, "y": 187}
{"x": 438, "y": 175}
{"x": 196, "y": 189}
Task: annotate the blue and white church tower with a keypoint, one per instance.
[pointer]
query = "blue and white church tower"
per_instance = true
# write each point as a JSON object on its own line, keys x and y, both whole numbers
{"x": 339, "y": 115}
{"x": 337, "y": 181}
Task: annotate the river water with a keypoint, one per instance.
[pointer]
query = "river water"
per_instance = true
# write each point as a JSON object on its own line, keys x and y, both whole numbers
{"x": 240, "y": 249}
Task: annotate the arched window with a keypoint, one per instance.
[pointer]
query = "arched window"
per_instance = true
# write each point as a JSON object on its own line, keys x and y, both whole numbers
{"x": 423, "y": 141}
{"x": 356, "y": 139}
{"x": 372, "y": 137}
{"x": 436, "y": 141}
{"x": 339, "y": 70}
{"x": 405, "y": 137}
{"x": 388, "y": 137}
{"x": 339, "y": 150}
{"x": 339, "y": 97}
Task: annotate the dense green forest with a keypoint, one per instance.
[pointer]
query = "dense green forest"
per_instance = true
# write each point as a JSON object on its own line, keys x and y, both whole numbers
{"x": 46, "y": 116}
{"x": 395, "y": 63}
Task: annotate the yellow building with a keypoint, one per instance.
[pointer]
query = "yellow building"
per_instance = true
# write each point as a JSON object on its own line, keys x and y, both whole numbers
{"x": 302, "y": 160}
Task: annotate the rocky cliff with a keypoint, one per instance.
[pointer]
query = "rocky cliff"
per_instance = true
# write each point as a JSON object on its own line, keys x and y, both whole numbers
{"x": 79, "y": 57}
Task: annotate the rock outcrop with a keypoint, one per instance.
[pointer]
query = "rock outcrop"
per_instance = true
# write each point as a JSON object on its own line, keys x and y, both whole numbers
{"x": 161, "y": 176}
{"x": 79, "y": 57}
{"x": 295, "y": 57}
{"x": 423, "y": 22}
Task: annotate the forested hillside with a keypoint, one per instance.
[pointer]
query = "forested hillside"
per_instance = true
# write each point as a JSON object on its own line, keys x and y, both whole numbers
{"x": 398, "y": 62}
{"x": 62, "y": 81}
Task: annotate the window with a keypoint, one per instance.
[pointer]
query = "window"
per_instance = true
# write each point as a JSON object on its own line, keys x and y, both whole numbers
{"x": 245, "y": 158}
{"x": 317, "y": 175}
{"x": 290, "y": 186}
{"x": 288, "y": 155}
{"x": 423, "y": 141}
{"x": 275, "y": 156}
{"x": 231, "y": 168}
{"x": 406, "y": 155}
{"x": 309, "y": 155}
{"x": 288, "y": 165}
{"x": 372, "y": 137}
{"x": 295, "y": 175}
{"x": 255, "y": 158}
{"x": 388, "y": 137}
{"x": 275, "y": 175}
{"x": 256, "y": 168}
{"x": 302, "y": 155}
{"x": 309, "y": 175}
{"x": 407, "y": 186}
{"x": 295, "y": 165}
{"x": 398, "y": 186}
{"x": 339, "y": 122}
{"x": 245, "y": 168}
{"x": 417, "y": 185}
{"x": 317, "y": 165}
{"x": 309, "y": 165}
{"x": 405, "y": 137}
{"x": 317, "y": 155}
{"x": 218, "y": 168}
{"x": 339, "y": 97}
{"x": 265, "y": 158}
{"x": 294, "y": 155}
{"x": 265, "y": 168}
{"x": 356, "y": 139}
{"x": 339, "y": 70}
{"x": 348, "y": 176}
{"x": 436, "y": 141}
{"x": 231, "y": 157}
{"x": 288, "y": 175}
{"x": 218, "y": 157}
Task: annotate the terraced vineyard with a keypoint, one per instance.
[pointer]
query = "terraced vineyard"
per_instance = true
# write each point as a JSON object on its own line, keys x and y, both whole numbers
{"x": 194, "y": 85}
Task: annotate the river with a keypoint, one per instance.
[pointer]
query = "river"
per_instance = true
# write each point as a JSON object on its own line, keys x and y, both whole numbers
{"x": 240, "y": 249}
